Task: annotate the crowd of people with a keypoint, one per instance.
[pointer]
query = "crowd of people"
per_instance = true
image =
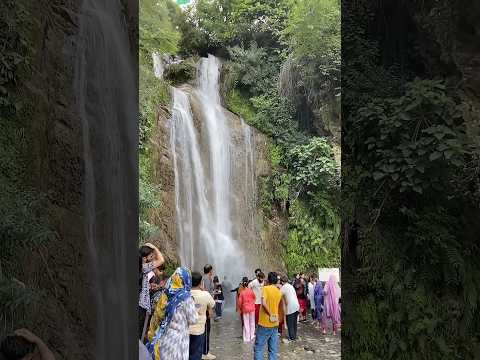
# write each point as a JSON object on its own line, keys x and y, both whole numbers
{"x": 176, "y": 313}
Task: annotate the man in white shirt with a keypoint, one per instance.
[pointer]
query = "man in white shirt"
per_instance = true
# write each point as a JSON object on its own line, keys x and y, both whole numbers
{"x": 257, "y": 287}
{"x": 311, "y": 295}
{"x": 292, "y": 307}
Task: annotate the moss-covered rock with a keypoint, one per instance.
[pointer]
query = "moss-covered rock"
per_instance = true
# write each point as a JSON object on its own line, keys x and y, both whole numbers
{"x": 180, "y": 73}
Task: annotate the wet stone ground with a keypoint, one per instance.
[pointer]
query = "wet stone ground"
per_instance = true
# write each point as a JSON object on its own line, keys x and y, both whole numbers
{"x": 226, "y": 342}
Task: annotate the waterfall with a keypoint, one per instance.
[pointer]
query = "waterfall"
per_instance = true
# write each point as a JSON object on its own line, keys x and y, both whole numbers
{"x": 204, "y": 160}
{"x": 107, "y": 102}
{"x": 158, "y": 66}
{"x": 250, "y": 179}
{"x": 192, "y": 207}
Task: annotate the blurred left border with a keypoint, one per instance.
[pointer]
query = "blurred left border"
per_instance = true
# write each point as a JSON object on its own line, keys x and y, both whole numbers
{"x": 68, "y": 179}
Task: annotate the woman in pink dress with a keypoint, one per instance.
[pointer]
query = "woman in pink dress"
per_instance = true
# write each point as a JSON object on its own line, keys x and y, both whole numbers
{"x": 331, "y": 309}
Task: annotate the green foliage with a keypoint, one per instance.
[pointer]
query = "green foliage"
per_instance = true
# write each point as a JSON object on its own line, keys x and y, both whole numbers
{"x": 180, "y": 73}
{"x": 407, "y": 162}
{"x": 313, "y": 165}
{"x": 412, "y": 139}
{"x": 309, "y": 244}
{"x": 233, "y": 22}
{"x": 24, "y": 221}
{"x": 313, "y": 34}
{"x": 238, "y": 104}
{"x": 157, "y": 32}
{"x": 274, "y": 116}
{"x": 252, "y": 70}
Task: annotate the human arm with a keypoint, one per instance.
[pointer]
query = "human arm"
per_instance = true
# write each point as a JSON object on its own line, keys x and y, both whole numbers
{"x": 159, "y": 259}
{"x": 43, "y": 350}
{"x": 210, "y": 306}
{"x": 264, "y": 303}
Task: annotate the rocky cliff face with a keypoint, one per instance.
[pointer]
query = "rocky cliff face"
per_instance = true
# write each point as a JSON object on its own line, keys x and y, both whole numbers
{"x": 58, "y": 270}
{"x": 259, "y": 237}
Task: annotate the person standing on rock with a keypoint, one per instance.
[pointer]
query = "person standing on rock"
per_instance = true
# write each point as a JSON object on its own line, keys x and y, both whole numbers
{"x": 318, "y": 298}
{"x": 246, "y": 306}
{"x": 168, "y": 336}
{"x": 331, "y": 310}
{"x": 300, "y": 288}
{"x": 149, "y": 258}
{"x": 257, "y": 286}
{"x": 219, "y": 297}
{"x": 311, "y": 295}
{"x": 291, "y": 307}
{"x": 267, "y": 330}
{"x": 207, "y": 284}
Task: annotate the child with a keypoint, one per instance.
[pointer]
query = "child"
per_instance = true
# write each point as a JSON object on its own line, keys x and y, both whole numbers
{"x": 246, "y": 304}
{"x": 203, "y": 302}
{"x": 218, "y": 297}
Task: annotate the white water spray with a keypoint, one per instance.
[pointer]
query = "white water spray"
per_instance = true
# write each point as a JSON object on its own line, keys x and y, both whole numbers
{"x": 204, "y": 177}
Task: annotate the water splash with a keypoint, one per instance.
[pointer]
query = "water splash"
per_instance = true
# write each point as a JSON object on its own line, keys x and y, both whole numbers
{"x": 203, "y": 160}
{"x": 107, "y": 102}
{"x": 158, "y": 66}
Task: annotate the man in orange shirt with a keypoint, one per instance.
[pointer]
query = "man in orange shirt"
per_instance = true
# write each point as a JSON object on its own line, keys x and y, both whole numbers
{"x": 267, "y": 330}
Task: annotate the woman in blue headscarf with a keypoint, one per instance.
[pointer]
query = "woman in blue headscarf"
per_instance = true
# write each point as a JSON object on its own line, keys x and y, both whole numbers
{"x": 175, "y": 311}
{"x": 318, "y": 298}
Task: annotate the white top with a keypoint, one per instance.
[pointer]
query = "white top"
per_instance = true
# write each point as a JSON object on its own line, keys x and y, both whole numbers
{"x": 311, "y": 295}
{"x": 203, "y": 302}
{"x": 290, "y": 296}
{"x": 257, "y": 289}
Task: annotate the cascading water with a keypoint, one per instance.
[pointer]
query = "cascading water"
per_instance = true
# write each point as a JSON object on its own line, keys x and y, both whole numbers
{"x": 158, "y": 66}
{"x": 205, "y": 166}
{"x": 107, "y": 101}
{"x": 250, "y": 180}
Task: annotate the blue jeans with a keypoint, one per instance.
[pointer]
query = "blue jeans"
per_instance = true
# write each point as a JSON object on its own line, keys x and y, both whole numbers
{"x": 266, "y": 335}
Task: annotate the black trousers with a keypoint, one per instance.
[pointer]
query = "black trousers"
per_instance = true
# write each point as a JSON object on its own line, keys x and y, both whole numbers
{"x": 196, "y": 347}
{"x": 292, "y": 322}
{"x": 206, "y": 343}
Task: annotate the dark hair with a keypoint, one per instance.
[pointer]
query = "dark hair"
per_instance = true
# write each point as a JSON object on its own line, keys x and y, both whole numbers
{"x": 144, "y": 251}
{"x": 245, "y": 280}
{"x": 15, "y": 347}
{"x": 261, "y": 275}
{"x": 272, "y": 278}
{"x": 196, "y": 278}
{"x": 284, "y": 279}
{"x": 207, "y": 268}
{"x": 215, "y": 279}
{"x": 258, "y": 270}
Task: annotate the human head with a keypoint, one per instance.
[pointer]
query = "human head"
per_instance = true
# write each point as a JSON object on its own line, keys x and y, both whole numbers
{"x": 181, "y": 279}
{"x": 207, "y": 269}
{"x": 216, "y": 280}
{"x": 146, "y": 253}
{"x": 260, "y": 276}
{"x": 196, "y": 279}
{"x": 284, "y": 279}
{"x": 272, "y": 278}
{"x": 301, "y": 275}
{"x": 245, "y": 281}
{"x": 257, "y": 271}
{"x": 16, "y": 348}
{"x": 297, "y": 276}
